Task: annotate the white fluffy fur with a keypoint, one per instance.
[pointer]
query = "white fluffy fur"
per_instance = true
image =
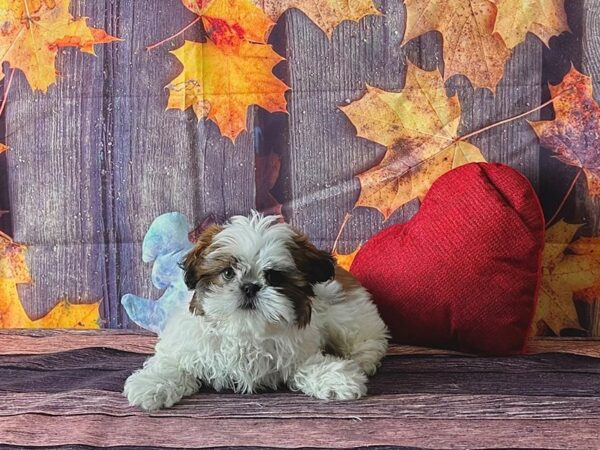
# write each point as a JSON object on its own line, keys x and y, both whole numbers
{"x": 230, "y": 348}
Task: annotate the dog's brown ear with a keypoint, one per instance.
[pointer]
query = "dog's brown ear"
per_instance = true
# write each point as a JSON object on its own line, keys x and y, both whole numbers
{"x": 192, "y": 263}
{"x": 317, "y": 265}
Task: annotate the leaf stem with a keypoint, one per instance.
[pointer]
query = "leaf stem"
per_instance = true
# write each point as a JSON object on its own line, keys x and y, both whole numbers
{"x": 337, "y": 238}
{"x": 6, "y": 89}
{"x": 510, "y": 119}
{"x": 564, "y": 200}
{"x": 183, "y": 30}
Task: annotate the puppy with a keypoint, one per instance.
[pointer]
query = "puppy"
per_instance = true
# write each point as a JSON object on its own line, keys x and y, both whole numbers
{"x": 269, "y": 309}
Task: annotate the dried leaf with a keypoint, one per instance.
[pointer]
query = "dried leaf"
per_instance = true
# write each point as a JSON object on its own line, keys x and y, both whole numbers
{"x": 228, "y": 21}
{"x": 569, "y": 270}
{"x": 13, "y": 271}
{"x": 588, "y": 248}
{"x": 12, "y": 260}
{"x": 469, "y": 44}
{"x": 574, "y": 134}
{"x": 267, "y": 172}
{"x": 419, "y": 127}
{"x": 516, "y": 18}
{"x": 74, "y": 37}
{"x": 345, "y": 260}
{"x": 327, "y": 14}
{"x": 33, "y": 30}
{"x": 221, "y": 82}
{"x": 197, "y": 6}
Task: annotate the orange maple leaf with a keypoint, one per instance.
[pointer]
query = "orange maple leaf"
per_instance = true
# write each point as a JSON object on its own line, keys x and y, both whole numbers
{"x": 13, "y": 271}
{"x": 516, "y": 18}
{"x": 232, "y": 19}
{"x": 345, "y": 260}
{"x": 33, "y": 30}
{"x": 221, "y": 82}
{"x": 327, "y": 14}
{"x": 570, "y": 270}
{"x": 469, "y": 44}
{"x": 574, "y": 134}
{"x": 233, "y": 70}
{"x": 419, "y": 128}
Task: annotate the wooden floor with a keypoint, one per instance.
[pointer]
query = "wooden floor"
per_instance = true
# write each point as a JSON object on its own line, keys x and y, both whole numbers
{"x": 63, "y": 389}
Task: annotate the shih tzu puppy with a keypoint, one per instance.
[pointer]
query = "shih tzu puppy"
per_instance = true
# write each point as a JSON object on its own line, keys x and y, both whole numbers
{"x": 269, "y": 309}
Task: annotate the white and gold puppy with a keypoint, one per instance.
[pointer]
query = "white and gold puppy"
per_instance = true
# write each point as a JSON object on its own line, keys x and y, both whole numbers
{"x": 269, "y": 309}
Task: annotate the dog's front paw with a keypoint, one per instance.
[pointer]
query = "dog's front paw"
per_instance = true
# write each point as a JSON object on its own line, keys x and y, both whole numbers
{"x": 331, "y": 378}
{"x": 150, "y": 392}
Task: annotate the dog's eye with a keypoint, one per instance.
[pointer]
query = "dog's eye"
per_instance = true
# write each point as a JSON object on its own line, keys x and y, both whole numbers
{"x": 274, "y": 277}
{"x": 228, "y": 273}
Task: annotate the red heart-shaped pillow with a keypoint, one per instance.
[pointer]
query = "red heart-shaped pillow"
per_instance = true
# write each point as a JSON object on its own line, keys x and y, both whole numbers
{"x": 465, "y": 270}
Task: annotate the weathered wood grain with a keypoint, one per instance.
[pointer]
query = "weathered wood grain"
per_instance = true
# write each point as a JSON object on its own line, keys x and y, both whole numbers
{"x": 591, "y": 66}
{"x": 158, "y": 161}
{"x": 559, "y": 375}
{"x": 55, "y": 163}
{"x": 183, "y": 432}
{"x": 585, "y": 347}
{"x": 119, "y": 447}
{"x": 520, "y": 90}
{"x": 33, "y": 342}
{"x": 439, "y": 400}
{"x": 286, "y": 405}
{"x": 324, "y": 154}
{"x": 108, "y": 358}
{"x": 97, "y": 159}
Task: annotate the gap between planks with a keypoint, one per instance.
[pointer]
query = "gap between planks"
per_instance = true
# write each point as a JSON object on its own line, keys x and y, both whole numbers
{"x": 35, "y": 342}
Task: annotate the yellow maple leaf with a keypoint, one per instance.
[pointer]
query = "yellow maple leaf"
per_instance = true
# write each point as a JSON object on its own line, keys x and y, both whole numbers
{"x": 588, "y": 248}
{"x": 345, "y": 260}
{"x": 516, "y": 18}
{"x": 327, "y": 14}
{"x": 12, "y": 260}
{"x": 67, "y": 315}
{"x": 13, "y": 271}
{"x": 569, "y": 270}
{"x": 221, "y": 82}
{"x": 419, "y": 128}
{"x": 33, "y": 30}
{"x": 469, "y": 44}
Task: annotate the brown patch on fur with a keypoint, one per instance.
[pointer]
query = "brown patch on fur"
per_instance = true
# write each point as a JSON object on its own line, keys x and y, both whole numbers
{"x": 193, "y": 266}
{"x": 196, "y": 305}
{"x": 316, "y": 265}
{"x": 300, "y": 298}
{"x": 346, "y": 279}
{"x": 296, "y": 288}
{"x": 192, "y": 263}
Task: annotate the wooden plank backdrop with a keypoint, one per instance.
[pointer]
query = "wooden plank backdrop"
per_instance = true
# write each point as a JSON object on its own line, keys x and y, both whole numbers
{"x": 98, "y": 158}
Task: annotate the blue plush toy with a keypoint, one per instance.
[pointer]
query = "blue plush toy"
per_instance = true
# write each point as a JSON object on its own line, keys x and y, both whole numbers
{"x": 165, "y": 243}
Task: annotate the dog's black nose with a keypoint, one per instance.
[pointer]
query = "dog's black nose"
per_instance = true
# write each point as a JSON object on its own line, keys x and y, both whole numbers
{"x": 250, "y": 289}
